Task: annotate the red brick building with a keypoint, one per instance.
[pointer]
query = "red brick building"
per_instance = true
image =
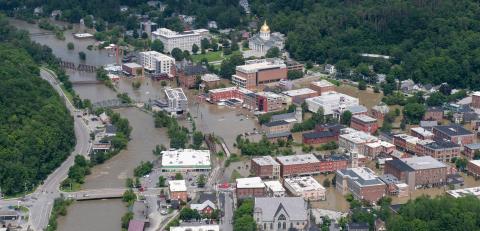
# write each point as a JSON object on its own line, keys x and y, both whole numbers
{"x": 433, "y": 113}
{"x": 470, "y": 149}
{"x": 454, "y": 133}
{"x": 440, "y": 149}
{"x": 322, "y": 86}
{"x": 319, "y": 137}
{"x": 190, "y": 75}
{"x": 258, "y": 72}
{"x": 361, "y": 182}
{"x": 299, "y": 95}
{"x": 473, "y": 168}
{"x": 216, "y": 95}
{"x": 476, "y": 100}
{"x": 298, "y": 165}
{"x": 421, "y": 133}
{"x": 265, "y": 167}
{"x": 334, "y": 163}
{"x": 250, "y": 187}
{"x": 178, "y": 190}
{"x": 418, "y": 171}
{"x": 364, "y": 123}
{"x": 379, "y": 111}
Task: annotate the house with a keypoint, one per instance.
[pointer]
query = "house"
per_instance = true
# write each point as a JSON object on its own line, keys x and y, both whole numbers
{"x": 330, "y": 69}
{"x": 178, "y": 190}
{"x": 206, "y": 207}
{"x": 281, "y": 213}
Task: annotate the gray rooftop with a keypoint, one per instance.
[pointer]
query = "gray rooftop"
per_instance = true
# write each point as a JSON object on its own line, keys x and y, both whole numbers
{"x": 356, "y": 109}
{"x": 473, "y": 146}
{"x": 295, "y": 207}
{"x": 452, "y": 130}
{"x": 265, "y": 160}
{"x": 423, "y": 162}
{"x": 285, "y": 116}
{"x": 297, "y": 159}
{"x": 362, "y": 176}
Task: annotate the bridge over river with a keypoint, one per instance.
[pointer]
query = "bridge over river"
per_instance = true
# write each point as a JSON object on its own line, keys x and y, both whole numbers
{"x": 106, "y": 193}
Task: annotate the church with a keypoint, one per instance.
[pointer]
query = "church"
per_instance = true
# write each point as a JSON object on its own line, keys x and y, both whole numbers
{"x": 263, "y": 41}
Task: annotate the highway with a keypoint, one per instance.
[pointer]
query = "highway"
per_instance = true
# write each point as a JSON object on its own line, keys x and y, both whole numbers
{"x": 40, "y": 202}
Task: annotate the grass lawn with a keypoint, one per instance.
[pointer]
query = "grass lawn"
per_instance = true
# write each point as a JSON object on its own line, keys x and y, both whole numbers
{"x": 75, "y": 187}
{"x": 210, "y": 56}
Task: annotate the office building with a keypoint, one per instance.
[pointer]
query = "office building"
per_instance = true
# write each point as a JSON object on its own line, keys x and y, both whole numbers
{"x": 177, "y": 101}
{"x": 265, "y": 167}
{"x": 331, "y": 101}
{"x": 250, "y": 187}
{"x": 258, "y": 72}
{"x": 298, "y": 165}
{"x": 157, "y": 63}
{"x": 362, "y": 182}
{"x": 306, "y": 187}
{"x": 186, "y": 160}
{"x": 183, "y": 40}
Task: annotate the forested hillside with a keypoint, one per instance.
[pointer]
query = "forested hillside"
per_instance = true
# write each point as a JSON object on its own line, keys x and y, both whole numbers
{"x": 36, "y": 130}
{"x": 432, "y": 40}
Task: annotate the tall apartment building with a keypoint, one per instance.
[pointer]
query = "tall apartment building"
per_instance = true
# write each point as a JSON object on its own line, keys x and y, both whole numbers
{"x": 157, "y": 63}
{"x": 182, "y": 40}
{"x": 265, "y": 167}
{"x": 258, "y": 72}
{"x": 418, "y": 171}
{"x": 177, "y": 100}
{"x": 361, "y": 182}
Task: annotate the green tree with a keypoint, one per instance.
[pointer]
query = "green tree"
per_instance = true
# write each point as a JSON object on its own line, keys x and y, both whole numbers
{"x": 157, "y": 45}
{"x": 414, "y": 112}
{"x": 194, "y": 49}
{"x": 82, "y": 55}
{"x": 197, "y": 139}
{"x": 436, "y": 99}
{"x": 201, "y": 181}
{"x": 362, "y": 85}
{"x": 70, "y": 46}
{"x": 161, "y": 181}
{"x": 273, "y": 52}
{"x": 177, "y": 54}
{"x": 205, "y": 44}
{"x": 346, "y": 117}
{"x": 295, "y": 74}
{"x": 178, "y": 176}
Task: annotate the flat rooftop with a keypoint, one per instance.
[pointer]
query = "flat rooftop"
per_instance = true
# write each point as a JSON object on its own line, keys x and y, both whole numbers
{"x": 475, "y": 191}
{"x": 265, "y": 161}
{"x": 210, "y": 78}
{"x": 260, "y": 65}
{"x": 177, "y": 185}
{"x": 422, "y": 131}
{"x": 359, "y": 137}
{"x": 250, "y": 182}
{"x": 132, "y": 65}
{"x": 364, "y": 118}
{"x": 475, "y": 162}
{"x": 361, "y": 176}
{"x": 298, "y": 92}
{"x": 297, "y": 159}
{"x": 423, "y": 162}
{"x": 275, "y": 186}
{"x": 175, "y": 93}
{"x": 303, "y": 184}
{"x": 453, "y": 130}
{"x": 218, "y": 90}
{"x": 473, "y": 146}
{"x": 332, "y": 96}
{"x": 322, "y": 83}
{"x": 186, "y": 158}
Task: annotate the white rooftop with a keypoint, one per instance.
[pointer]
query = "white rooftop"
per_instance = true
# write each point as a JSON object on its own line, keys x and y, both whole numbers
{"x": 297, "y": 92}
{"x": 475, "y": 191}
{"x": 359, "y": 137}
{"x": 186, "y": 158}
{"x": 365, "y": 118}
{"x": 269, "y": 94}
{"x": 423, "y": 162}
{"x": 422, "y": 131}
{"x": 250, "y": 182}
{"x": 475, "y": 162}
{"x": 297, "y": 159}
{"x": 225, "y": 89}
{"x": 274, "y": 186}
{"x": 177, "y": 185}
{"x": 322, "y": 83}
{"x": 257, "y": 65}
{"x": 175, "y": 93}
{"x": 132, "y": 65}
{"x": 302, "y": 184}
{"x": 210, "y": 77}
{"x": 265, "y": 160}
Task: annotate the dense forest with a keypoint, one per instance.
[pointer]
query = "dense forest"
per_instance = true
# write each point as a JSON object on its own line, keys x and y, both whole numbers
{"x": 36, "y": 130}
{"x": 440, "y": 213}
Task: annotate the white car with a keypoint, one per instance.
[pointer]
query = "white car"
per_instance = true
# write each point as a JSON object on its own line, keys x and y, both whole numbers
{"x": 163, "y": 212}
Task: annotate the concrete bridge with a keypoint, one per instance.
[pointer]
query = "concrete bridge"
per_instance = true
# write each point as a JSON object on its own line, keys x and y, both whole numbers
{"x": 38, "y": 34}
{"x": 83, "y": 82}
{"x": 96, "y": 194}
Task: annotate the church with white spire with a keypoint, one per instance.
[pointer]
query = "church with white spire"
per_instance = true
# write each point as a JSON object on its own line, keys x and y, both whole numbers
{"x": 263, "y": 41}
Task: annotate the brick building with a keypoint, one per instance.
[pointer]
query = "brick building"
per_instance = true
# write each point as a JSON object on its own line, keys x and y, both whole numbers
{"x": 379, "y": 111}
{"x": 190, "y": 75}
{"x": 266, "y": 102}
{"x": 298, "y": 165}
{"x": 361, "y": 182}
{"x": 421, "y": 133}
{"x": 322, "y": 86}
{"x": 418, "y": 171}
{"x": 275, "y": 127}
{"x": 299, "y": 95}
{"x": 376, "y": 148}
{"x": 455, "y": 133}
{"x": 306, "y": 187}
{"x": 405, "y": 142}
{"x": 220, "y": 94}
{"x": 258, "y": 72}
{"x": 442, "y": 150}
{"x": 178, "y": 190}
{"x": 319, "y": 137}
{"x": 473, "y": 168}
{"x": 333, "y": 163}
{"x": 433, "y": 113}
{"x": 265, "y": 167}
{"x": 476, "y": 99}
{"x": 354, "y": 141}
{"x": 470, "y": 149}
{"x": 250, "y": 187}
{"x": 364, "y": 123}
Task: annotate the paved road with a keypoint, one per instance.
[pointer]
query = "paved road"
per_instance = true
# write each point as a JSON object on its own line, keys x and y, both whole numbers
{"x": 226, "y": 201}
{"x": 40, "y": 202}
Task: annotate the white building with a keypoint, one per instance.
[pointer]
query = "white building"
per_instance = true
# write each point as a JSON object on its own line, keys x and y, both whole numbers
{"x": 355, "y": 141}
{"x": 306, "y": 187}
{"x": 183, "y": 41}
{"x": 196, "y": 227}
{"x": 281, "y": 213}
{"x": 157, "y": 63}
{"x": 274, "y": 188}
{"x": 177, "y": 186}
{"x": 177, "y": 100}
{"x": 184, "y": 160}
{"x": 331, "y": 101}
{"x": 265, "y": 40}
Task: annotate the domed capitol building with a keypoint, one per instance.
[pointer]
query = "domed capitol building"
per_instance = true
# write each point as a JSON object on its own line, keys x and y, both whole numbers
{"x": 261, "y": 42}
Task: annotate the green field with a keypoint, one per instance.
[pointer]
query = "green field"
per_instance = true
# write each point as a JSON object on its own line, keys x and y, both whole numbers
{"x": 211, "y": 56}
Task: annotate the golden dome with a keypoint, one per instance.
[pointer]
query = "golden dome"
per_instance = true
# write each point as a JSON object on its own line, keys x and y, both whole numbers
{"x": 265, "y": 27}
